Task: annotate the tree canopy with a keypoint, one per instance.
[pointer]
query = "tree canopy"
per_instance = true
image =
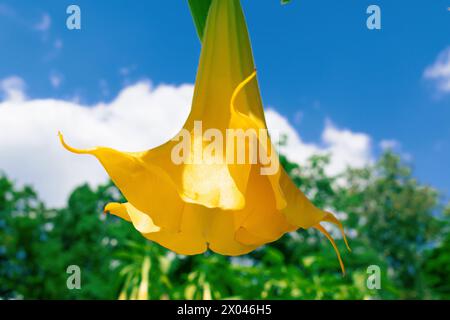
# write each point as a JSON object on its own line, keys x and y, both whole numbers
{"x": 393, "y": 222}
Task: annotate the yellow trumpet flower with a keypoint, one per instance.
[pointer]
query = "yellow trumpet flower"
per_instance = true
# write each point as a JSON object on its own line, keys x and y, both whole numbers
{"x": 210, "y": 200}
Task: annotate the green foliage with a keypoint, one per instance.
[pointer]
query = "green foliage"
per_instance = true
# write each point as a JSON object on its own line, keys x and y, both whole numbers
{"x": 396, "y": 220}
{"x": 392, "y": 221}
{"x": 437, "y": 261}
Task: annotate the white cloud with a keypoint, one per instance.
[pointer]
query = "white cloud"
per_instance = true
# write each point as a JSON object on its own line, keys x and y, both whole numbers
{"x": 389, "y": 144}
{"x": 298, "y": 117}
{"x": 139, "y": 118}
{"x": 347, "y": 148}
{"x": 55, "y": 80}
{"x": 104, "y": 87}
{"x": 44, "y": 23}
{"x": 126, "y": 71}
{"x": 295, "y": 149}
{"x": 396, "y": 146}
{"x": 58, "y": 44}
{"x": 12, "y": 89}
{"x": 440, "y": 71}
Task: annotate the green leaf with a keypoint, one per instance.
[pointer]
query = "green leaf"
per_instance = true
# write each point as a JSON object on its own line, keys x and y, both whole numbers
{"x": 199, "y": 11}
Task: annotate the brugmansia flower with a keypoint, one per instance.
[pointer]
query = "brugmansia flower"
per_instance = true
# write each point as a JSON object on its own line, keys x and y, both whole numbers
{"x": 191, "y": 194}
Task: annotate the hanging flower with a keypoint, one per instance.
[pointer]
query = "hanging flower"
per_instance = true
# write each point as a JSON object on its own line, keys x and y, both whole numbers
{"x": 218, "y": 184}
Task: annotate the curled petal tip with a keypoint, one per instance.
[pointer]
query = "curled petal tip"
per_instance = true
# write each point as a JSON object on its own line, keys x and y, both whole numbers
{"x": 240, "y": 87}
{"x": 111, "y": 206}
{"x": 332, "y": 219}
{"x": 106, "y": 211}
{"x": 346, "y": 241}
{"x": 348, "y": 247}
{"x": 328, "y": 236}
{"x": 69, "y": 148}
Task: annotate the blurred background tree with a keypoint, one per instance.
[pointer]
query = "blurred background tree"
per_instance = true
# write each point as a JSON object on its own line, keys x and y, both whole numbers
{"x": 393, "y": 221}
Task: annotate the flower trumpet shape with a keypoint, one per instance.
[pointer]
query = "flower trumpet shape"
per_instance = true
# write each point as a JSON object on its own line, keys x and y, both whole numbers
{"x": 199, "y": 190}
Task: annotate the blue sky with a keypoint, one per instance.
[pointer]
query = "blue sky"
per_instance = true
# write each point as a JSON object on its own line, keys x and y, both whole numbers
{"x": 316, "y": 61}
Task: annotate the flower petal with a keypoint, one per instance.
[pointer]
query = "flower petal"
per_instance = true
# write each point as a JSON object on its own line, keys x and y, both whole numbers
{"x": 144, "y": 185}
{"x": 141, "y": 221}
